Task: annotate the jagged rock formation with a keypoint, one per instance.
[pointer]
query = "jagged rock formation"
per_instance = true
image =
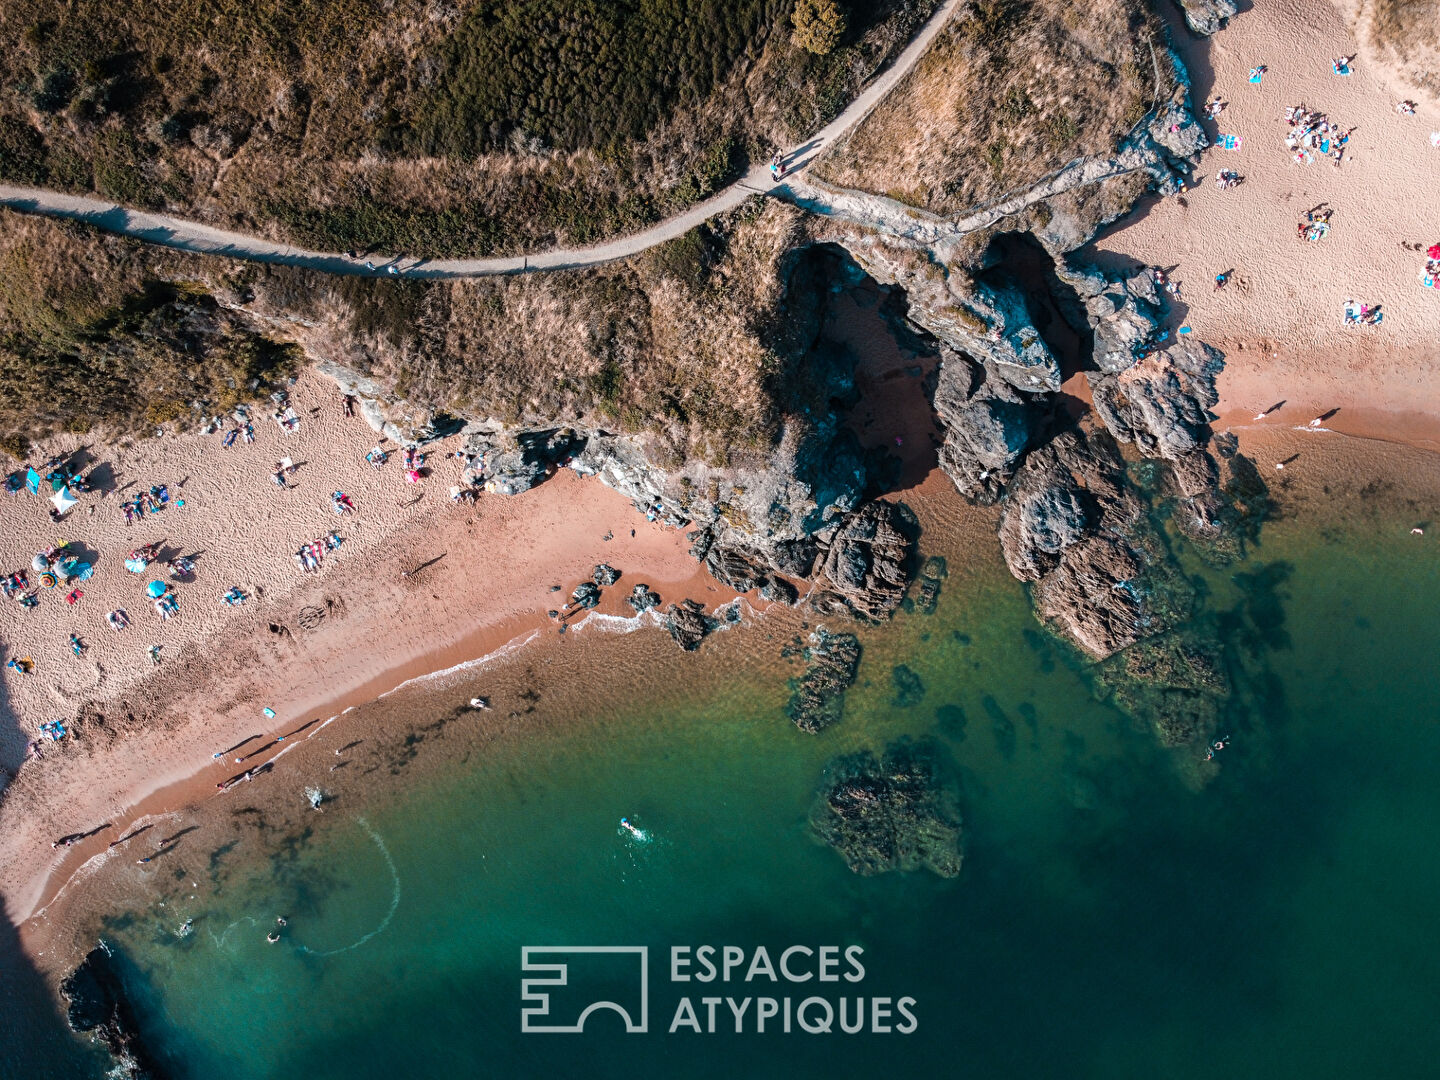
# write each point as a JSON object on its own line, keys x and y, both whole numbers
{"x": 900, "y": 812}
{"x": 987, "y": 424}
{"x": 1161, "y": 403}
{"x": 1208, "y": 16}
{"x": 865, "y": 568}
{"x": 819, "y": 697}
{"x": 688, "y": 624}
{"x": 1074, "y": 527}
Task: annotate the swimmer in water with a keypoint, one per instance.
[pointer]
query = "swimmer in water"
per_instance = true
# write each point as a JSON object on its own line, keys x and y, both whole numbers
{"x": 273, "y": 936}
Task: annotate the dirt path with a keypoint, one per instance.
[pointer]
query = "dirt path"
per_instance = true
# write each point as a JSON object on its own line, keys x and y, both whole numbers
{"x": 193, "y": 236}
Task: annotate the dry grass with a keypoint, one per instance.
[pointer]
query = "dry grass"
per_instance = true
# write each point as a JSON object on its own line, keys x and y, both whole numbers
{"x": 91, "y": 337}
{"x": 688, "y": 344}
{"x": 1407, "y": 32}
{"x": 1011, "y": 91}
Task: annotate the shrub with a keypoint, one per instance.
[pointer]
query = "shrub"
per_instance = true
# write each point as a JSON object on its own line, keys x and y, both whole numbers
{"x": 819, "y": 25}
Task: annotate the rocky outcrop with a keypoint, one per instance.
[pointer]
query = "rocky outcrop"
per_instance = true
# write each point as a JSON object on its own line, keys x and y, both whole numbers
{"x": 688, "y": 624}
{"x": 1124, "y": 314}
{"x": 1075, "y": 528}
{"x": 987, "y": 426}
{"x": 1207, "y": 17}
{"x": 96, "y": 1004}
{"x": 642, "y": 598}
{"x": 866, "y": 565}
{"x": 819, "y": 697}
{"x": 508, "y": 463}
{"x": 968, "y": 316}
{"x": 1161, "y": 403}
{"x": 899, "y": 812}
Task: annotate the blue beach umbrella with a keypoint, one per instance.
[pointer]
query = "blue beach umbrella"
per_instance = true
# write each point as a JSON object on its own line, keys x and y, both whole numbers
{"x": 156, "y": 589}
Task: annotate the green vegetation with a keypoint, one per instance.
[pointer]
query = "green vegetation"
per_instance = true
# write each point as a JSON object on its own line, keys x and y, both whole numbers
{"x": 819, "y": 25}
{"x": 493, "y": 126}
{"x": 580, "y": 73}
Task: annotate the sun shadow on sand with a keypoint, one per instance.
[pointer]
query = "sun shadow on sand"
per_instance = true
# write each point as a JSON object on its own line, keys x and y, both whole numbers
{"x": 33, "y": 1034}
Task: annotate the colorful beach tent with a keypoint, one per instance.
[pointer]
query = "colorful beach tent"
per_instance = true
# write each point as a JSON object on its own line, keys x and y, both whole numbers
{"x": 63, "y": 500}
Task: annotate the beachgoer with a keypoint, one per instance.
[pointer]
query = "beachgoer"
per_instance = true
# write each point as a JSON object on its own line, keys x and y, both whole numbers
{"x": 1417, "y": 531}
{"x": 273, "y": 936}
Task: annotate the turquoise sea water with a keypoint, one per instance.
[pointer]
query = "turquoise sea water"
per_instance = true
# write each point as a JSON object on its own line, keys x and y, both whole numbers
{"x": 1115, "y": 915}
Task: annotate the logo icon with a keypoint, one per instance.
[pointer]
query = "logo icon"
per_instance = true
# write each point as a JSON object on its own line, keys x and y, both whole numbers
{"x": 551, "y": 977}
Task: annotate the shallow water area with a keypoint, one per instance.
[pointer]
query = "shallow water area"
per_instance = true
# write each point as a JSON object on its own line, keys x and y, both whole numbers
{"x": 1119, "y": 904}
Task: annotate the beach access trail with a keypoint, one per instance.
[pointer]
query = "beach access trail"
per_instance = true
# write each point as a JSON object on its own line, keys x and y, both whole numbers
{"x": 193, "y": 236}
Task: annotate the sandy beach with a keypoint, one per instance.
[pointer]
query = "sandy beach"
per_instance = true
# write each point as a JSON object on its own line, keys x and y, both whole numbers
{"x": 420, "y": 584}
{"x": 1279, "y": 319}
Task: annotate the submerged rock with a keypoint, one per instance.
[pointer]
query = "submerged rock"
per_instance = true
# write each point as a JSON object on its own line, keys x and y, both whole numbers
{"x": 932, "y": 575}
{"x": 909, "y": 687}
{"x": 819, "y": 697}
{"x": 1175, "y": 683}
{"x": 688, "y": 624}
{"x": 900, "y": 812}
{"x": 96, "y": 1003}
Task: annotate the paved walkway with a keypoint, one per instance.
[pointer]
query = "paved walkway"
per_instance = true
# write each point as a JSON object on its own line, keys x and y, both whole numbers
{"x": 175, "y": 232}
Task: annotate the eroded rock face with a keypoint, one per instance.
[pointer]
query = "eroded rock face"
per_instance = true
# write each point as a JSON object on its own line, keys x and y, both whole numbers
{"x": 1163, "y": 402}
{"x": 688, "y": 624}
{"x": 987, "y": 425}
{"x": 513, "y": 462}
{"x": 899, "y": 812}
{"x": 1075, "y": 528}
{"x": 992, "y": 324}
{"x": 1207, "y": 17}
{"x": 866, "y": 564}
{"x": 1124, "y": 314}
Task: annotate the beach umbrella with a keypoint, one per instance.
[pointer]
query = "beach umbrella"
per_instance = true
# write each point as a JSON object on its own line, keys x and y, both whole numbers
{"x": 40, "y": 562}
{"x": 156, "y": 589}
{"x": 63, "y": 500}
